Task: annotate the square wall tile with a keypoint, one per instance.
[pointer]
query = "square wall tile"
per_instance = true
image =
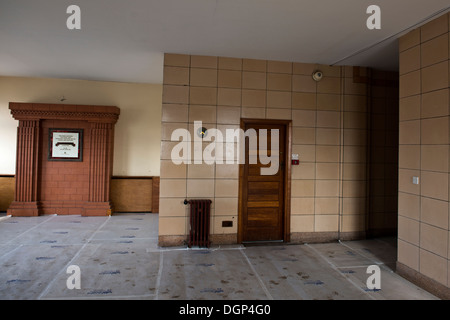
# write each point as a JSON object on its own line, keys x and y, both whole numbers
{"x": 434, "y": 185}
{"x": 229, "y": 79}
{"x": 200, "y": 171}
{"x": 433, "y": 239}
{"x": 228, "y": 115}
{"x": 327, "y": 170}
{"x": 327, "y": 153}
{"x": 409, "y": 60}
{"x": 279, "y": 99}
{"x": 434, "y": 28}
{"x": 254, "y": 65}
{"x": 177, "y": 60}
{"x": 203, "y": 113}
{"x": 302, "y": 188}
{"x": 226, "y": 188}
{"x": 409, "y": 205}
{"x": 434, "y": 50}
{"x": 304, "y": 170}
{"x": 331, "y": 102}
{"x": 303, "y": 135}
{"x": 204, "y": 62}
{"x": 325, "y": 136}
{"x": 303, "y": 68}
{"x": 302, "y": 223}
{"x": 229, "y": 97}
{"x": 326, "y": 205}
{"x": 354, "y": 206}
{"x": 171, "y": 170}
{"x": 254, "y": 80}
{"x": 255, "y": 113}
{"x": 279, "y": 66}
{"x": 435, "y": 77}
{"x": 172, "y": 188}
{"x": 327, "y": 188}
{"x": 435, "y": 130}
{"x": 355, "y": 137}
{"x": 226, "y": 206}
{"x": 227, "y": 171}
{"x": 408, "y": 254}
{"x": 172, "y": 226}
{"x": 354, "y": 188}
{"x": 230, "y": 63}
{"x": 176, "y": 76}
{"x": 168, "y": 128}
{"x": 410, "y": 84}
{"x": 409, "y": 40}
{"x": 405, "y": 181}
{"x": 200, "y": 188}
{"x": 203, "y": 77}
{"x": 409, "y": 230}
{"x": 435, "y": 212}
{"x": 302, "y": 83}
{"x": 301, "y": 100}
{"x": 329, "y": 85}
{"x": 174, "y": 113}
{"x": 434, "y": 157}
{"x": 356, "y": 103}
{"x": 353, "y": 222}
{"x": 253, "y": 98}
{"x": 326, "y": 223}
{"x": 279, "y": 81}
{"x": 433, "y": 266}
{"x": 328, "y": 119}
{"x": 172, "y": 207}
{"x": 304, "y": 118}
{"x": 302, "y": 206}
{"x": 175, "y": 94}
{"x": 306, "y": 153}
{"x": 355, "y": 154}
{"x": 409, "y": 108}
{"x": 202, "y": 95}
{"x": 435, "y": 104}
{"x": 409, "y": 132}
{"x": 282, "y": 114}
{"x": 409, "y": 156}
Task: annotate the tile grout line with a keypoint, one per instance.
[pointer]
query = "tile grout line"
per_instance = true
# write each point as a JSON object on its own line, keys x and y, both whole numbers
{"x": 158, "y": 280}
{"x": 44, "y": 292}
{"x": 362, "y": 255}
{"x": 19, "y": 245}
{"x": 263, "y": 286}
{"x": 34, "y": 227}
{"x": 337, "y": 270}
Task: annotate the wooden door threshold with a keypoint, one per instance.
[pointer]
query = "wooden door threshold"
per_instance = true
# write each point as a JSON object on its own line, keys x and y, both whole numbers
{"x": 263, "y": 243}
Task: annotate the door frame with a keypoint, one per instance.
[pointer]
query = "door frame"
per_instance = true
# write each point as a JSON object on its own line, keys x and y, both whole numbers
{"x": 287, "y": 177}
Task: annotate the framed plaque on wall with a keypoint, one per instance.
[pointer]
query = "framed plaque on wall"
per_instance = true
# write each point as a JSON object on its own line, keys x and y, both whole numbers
{"x": 65, "y": 145}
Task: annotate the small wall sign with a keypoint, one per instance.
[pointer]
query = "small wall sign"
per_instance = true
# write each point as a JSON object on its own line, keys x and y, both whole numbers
{"x": 65, "y": 145}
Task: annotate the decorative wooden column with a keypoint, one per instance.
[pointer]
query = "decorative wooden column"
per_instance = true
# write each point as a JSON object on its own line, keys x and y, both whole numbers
{"x": 76, "y": 188}
{"x": 26, "y": 200}
{"x": 101, "y": 154}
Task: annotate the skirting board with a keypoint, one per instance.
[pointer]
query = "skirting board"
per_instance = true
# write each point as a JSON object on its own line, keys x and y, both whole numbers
{"x": 426, "y": 283}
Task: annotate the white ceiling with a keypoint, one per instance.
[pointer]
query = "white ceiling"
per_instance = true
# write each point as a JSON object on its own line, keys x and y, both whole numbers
{"x": 124, "y": 40}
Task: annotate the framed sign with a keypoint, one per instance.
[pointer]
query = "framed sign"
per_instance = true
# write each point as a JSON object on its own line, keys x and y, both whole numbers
{"x": 65, "y": 145}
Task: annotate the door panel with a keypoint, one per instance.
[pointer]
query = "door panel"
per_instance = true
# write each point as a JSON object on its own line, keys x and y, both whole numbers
{"x": 263, "y": 195}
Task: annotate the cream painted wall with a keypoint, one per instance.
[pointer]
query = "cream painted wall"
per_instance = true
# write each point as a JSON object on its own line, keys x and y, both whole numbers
{"x": 137, "y": 133}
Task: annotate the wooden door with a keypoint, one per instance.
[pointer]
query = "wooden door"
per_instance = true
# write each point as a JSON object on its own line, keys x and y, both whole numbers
{"x": 263, "y": 196}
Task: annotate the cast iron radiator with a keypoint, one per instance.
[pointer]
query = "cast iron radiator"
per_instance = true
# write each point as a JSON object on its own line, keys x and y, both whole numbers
{"x": 199, "y": 222}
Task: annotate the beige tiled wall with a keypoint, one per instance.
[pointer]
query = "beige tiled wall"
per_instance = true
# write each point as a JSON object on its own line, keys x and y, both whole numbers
{"x": 423, "y": 224}
{"x": 329, "y": 132}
